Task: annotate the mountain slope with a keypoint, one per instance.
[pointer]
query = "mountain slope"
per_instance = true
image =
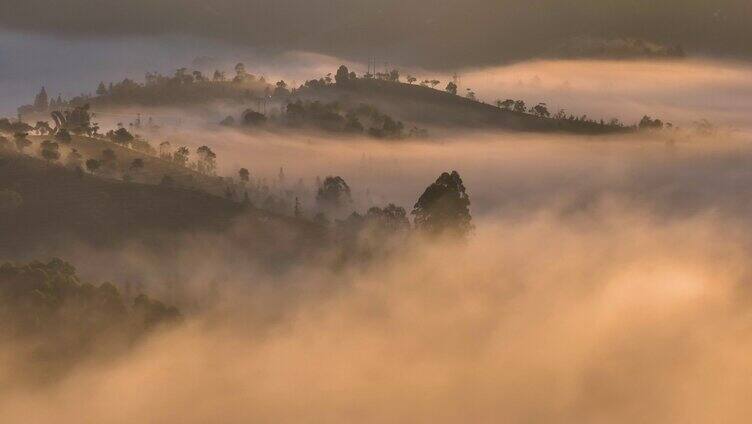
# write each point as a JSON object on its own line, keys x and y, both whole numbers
{"x": 420, "y": 105}
{"x": 52, "y": 204}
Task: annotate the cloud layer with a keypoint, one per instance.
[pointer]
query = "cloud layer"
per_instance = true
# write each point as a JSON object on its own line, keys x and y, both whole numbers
{"x": 447, "y": 33}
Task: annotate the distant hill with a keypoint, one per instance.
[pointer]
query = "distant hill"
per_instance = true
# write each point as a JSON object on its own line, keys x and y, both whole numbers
{"x": 183, "y": 89}
{"x": 619, "y": 48}
{"x": 416, "y": 104}
{"x": 175, "y": 94}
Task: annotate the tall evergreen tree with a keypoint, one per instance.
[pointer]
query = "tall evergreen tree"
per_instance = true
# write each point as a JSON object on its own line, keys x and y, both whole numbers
{"x": 444, "y": 207}
{"x": 41, "y": 102}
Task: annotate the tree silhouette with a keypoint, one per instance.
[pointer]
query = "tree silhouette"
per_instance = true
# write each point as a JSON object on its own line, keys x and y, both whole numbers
{"x": 451, "y": 88}
{"x": 48, "y": 304}
{"x": 342, "y": 76}
{"x": 444, "y": 207}
{"x": 253, "y": 118}
{"x": 240, "y": 74}
{"x": 281, "y": 89}
{"x": 199, "y": 77}
{"x": 120, "y": 136}
{"x": 353, "y": 123}
{"x": 505, "y": 105}
{"x": 101, "y": 89}
{"x": 41, "y": 102}
{"x": 390, "y": 218}
{"x": 206, "y": 160}
{"x": 92, "y": 165}
{"x": 649, "y": 123}
{"x": 541, "y": 109}
{"x": 50, "y": 150}
{"x": 244, "y": 175}
{"x": 334, "y": 193}
{"x": 77, "y": 121}
{"x": 181, "y": 155}
{"x": 519, "y": 106}
{"x": 164, "y": 150}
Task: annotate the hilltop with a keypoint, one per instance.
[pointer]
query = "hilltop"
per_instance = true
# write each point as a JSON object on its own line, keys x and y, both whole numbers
{"x": 423, "y": 105}
{"x": 334, "y": 104}
{"x": 182, "y": 89}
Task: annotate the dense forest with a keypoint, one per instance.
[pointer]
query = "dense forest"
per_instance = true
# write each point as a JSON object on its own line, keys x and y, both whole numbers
{"x": 60, "y": 320}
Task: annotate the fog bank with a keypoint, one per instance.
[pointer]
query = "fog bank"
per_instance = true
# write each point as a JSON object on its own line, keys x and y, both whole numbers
{"x": 619, "y": 318}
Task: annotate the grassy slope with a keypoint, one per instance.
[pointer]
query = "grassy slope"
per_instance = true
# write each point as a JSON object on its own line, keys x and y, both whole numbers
{"x": 427, "y": 106}
{"x": 154, "y": 168}
{"x": 58, "y": 203}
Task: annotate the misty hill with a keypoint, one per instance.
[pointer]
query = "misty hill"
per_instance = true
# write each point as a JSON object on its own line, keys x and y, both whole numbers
{"x": 46, "y": 205}
{"x": 423, "y": 105}
{"x": 330, "y": 117}
{"x": 377, "y": 105}
{"x": 620, "y": 48}
{"x": 151, "y": 168}
{"x": 183, "y": 88}
{"x": 169, "y": 165}
{"x": 46, "y": 208}
{"x": 390, "y": 108}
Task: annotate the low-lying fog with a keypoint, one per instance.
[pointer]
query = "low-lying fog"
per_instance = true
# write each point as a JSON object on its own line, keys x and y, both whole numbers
{"x": 617, "y": 316}
{"x": 676, "y": 91}
{"x": 606, "y": 281}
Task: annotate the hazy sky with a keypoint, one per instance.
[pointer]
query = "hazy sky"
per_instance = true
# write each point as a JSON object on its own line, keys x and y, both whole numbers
{"x": 437, "y": 33}
{"x": 71, "y": 45}
{"x": 75, "y": 65}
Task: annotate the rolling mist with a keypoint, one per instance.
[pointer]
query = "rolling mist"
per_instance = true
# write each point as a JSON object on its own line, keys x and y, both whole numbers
{"x": 584, "y": 305}
{"x": 606, "y": 278}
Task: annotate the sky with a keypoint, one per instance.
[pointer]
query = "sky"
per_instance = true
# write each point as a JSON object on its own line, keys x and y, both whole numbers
{"x": 73, "y": 65}
{"x": 437, "y": 34}
{"x": 71, "y": 45}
